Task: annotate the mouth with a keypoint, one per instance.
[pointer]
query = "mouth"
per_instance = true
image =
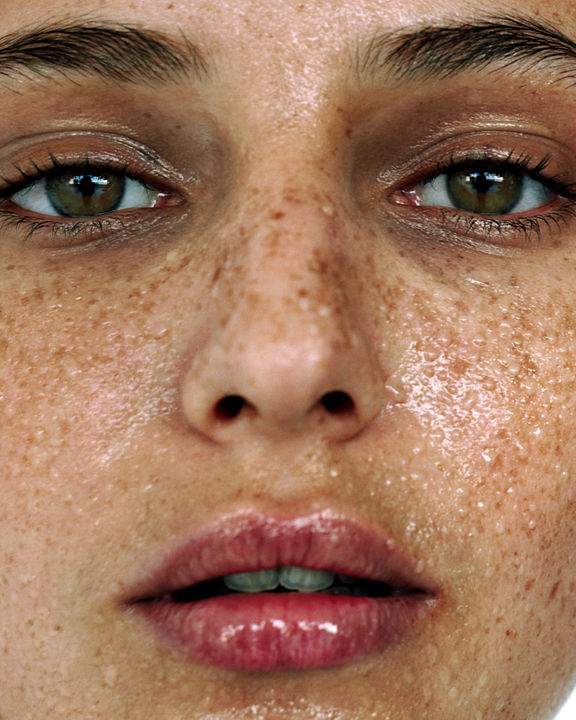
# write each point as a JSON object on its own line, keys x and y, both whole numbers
{"x": 258, "y": 593}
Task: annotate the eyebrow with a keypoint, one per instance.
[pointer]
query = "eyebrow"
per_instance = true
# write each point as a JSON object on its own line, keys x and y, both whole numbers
{"x": 117, "y": 52}
{"x": 437, "y": 52}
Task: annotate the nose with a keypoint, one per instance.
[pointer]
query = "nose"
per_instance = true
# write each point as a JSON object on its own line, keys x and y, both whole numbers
{"x": 288, "y": 351}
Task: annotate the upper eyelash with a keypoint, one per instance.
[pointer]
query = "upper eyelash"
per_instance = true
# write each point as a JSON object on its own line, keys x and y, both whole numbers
{"x": 55, "y": 167}
{"x": 521, "y": 163}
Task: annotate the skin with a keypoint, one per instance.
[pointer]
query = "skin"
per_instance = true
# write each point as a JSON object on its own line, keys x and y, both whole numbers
{"x": 287, "y": 270}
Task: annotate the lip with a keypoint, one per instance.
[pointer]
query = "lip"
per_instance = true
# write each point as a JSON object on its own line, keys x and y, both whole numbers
{"x": 288, "y": 631}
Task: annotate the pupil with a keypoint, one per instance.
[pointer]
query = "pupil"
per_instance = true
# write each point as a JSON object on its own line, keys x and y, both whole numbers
{"x": 483, "y": 182}
{"x": 85, "y": 184}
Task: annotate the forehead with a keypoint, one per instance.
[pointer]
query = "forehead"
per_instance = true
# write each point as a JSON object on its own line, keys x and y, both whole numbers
{"x": 287, "y": 52}
{"x": 291, "y": 52}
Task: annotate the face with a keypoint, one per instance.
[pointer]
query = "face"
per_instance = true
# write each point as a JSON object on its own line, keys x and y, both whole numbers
{"x": 288, "y": 292}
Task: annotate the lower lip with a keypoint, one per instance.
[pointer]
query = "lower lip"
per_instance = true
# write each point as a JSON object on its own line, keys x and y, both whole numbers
{"x": 288, "y": 631}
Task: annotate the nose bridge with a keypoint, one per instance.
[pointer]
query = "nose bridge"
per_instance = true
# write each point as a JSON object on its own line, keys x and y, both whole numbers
{"x": 293, "y": 267}
{"x": 292, "y": 314}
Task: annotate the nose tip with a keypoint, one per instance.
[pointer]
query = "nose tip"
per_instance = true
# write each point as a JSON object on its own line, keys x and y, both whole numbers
{"x": 310, "y": 387}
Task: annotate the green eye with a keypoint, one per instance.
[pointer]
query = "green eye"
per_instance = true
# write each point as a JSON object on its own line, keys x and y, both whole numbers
{"x": 84, "y": 194}
{"x": 485, "y": 192}
{"x": 81, "y": 195}
{"x": 489, "y": 191}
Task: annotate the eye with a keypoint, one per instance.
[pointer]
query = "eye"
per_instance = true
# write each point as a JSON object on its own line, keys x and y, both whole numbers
{"x": 483, "y": 190}
{"x": 84, "y": 193}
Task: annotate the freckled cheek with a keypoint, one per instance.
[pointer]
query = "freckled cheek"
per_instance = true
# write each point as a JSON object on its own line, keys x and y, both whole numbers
{"x": 496, "y": 395}
{"x": 73, "y": 399}
{"x": 490, "y": 399}
{"x": 479, "y": 386}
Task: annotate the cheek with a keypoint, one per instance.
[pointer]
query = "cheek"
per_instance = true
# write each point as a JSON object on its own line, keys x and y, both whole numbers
{"x": 490, "y": 380}
{"x": 76, "y": 388}
{"x": 488, "y": 390}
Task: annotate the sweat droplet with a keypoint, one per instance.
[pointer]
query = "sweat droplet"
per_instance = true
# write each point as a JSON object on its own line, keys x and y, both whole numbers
{"x": 110, "y": 675}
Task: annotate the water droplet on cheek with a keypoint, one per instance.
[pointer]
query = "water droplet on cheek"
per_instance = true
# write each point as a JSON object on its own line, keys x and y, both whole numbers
{"x": 110, "y": 674}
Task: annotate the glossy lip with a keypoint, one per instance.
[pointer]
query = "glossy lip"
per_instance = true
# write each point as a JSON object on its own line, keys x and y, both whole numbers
{"x": 295, "y": 631}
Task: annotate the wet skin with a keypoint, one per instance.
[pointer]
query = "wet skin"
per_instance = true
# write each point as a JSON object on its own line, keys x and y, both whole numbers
{"x": 288, "y": 259}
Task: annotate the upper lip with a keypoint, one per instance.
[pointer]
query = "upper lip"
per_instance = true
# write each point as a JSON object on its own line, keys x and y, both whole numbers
{"x": 251, "y": 541}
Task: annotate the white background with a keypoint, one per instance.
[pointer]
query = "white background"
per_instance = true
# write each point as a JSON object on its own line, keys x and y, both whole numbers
{"x": 568, "y": 712}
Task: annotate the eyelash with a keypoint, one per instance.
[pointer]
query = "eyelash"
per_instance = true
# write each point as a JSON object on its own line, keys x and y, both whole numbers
{"x": 61, "y": 228}
{"x": 526, "y": 225}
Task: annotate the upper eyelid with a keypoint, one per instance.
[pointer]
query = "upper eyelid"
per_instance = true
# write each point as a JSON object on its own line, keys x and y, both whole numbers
{"x": 416, "y": 160}
{"x": 25, "y": 157}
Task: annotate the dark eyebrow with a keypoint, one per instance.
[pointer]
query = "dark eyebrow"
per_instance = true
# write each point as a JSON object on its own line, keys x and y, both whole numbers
{"x": 118, "y": 52}
{"x": 445, "y": 51}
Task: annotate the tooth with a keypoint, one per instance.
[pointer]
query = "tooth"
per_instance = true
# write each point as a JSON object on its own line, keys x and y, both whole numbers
{"x": 305, "y": 580}
{"x": 252, "y": 582}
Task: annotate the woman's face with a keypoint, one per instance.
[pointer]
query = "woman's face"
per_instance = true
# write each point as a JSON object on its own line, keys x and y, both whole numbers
{"x": 329, "y": 321}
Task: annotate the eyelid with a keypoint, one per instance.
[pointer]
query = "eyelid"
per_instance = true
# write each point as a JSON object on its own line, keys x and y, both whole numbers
{"x": 414, "y": 163}
{"x": 77, "y": 148}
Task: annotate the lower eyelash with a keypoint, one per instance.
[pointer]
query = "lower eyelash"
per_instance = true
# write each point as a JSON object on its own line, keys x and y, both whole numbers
{"x": 528, "y": 226}
{"x": 61, "y": 231}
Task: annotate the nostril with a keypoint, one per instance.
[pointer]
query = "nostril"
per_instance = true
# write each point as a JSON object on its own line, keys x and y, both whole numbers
{"x": 229, "y": 407}
{"x": 338, "y": 403}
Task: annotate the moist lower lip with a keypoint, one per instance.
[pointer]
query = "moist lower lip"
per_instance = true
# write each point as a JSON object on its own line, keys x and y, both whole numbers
{"x": 289, "y": 630}
{"x": 292, "y": 631}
